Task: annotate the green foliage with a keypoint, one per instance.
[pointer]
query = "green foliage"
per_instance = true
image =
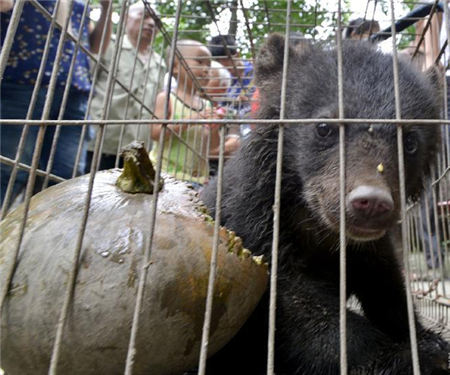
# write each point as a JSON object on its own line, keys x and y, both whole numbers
{"x": 407, "y": 35}
{"x": 94, "y": 3}
{"x": 255, "y": 20}
{"x": 194, "y": 19}
{"x": 249, "y": 20}
{"x": 263, "y": 20}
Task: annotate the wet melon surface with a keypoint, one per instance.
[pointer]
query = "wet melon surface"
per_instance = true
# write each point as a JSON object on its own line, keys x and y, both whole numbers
{"x": 97, "y": 332}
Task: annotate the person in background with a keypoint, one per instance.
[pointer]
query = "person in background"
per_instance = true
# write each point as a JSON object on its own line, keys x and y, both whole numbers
{"x": 185, "y": 146}
{"x": 360, "y": 29}
{"x": 146, "y": 81}
{"x": 217, "y": 87}
{"x": 218, "y": 83}
{"x": 224, "y": 49}
{"x": 20, "y": 77}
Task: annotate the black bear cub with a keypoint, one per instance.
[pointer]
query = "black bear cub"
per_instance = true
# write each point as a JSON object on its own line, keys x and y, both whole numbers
{"x": 307, "y": 321}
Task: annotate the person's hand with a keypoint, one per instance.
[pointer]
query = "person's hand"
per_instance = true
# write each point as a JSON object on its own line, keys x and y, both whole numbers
{"x": 213, "y": 128}
{"x": 197, "y": 115}
{"x": 232, "y": 143}
{"x": 221, "y": 112}
{"x": 243, "y": 98}
{"x": 206, "y": 114}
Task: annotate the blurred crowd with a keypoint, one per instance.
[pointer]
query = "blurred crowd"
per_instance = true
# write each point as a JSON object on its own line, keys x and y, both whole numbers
{"x": 60, "y": 68}
{"x": 79, "y": 70}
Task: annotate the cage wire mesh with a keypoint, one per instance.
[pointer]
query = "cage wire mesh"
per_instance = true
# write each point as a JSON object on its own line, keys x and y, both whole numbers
{"x": 192, "y": 110}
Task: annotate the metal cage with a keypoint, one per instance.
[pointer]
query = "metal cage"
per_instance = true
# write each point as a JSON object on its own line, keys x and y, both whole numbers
{"x": 424, "y": 225}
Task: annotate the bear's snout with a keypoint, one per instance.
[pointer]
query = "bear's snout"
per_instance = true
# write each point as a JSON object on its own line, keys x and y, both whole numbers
{"x": 370, "y": 211}
{"x": 370, "y": 202}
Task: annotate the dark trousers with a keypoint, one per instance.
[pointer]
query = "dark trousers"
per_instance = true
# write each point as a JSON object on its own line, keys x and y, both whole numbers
{"x": 15, "y": 102}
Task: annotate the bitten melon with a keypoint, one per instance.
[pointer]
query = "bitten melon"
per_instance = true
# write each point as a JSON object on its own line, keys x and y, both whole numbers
{"x": 97, "y": 331}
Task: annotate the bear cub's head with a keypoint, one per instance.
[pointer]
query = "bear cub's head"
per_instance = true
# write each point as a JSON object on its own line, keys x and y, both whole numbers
{"x": 372, "y": 195}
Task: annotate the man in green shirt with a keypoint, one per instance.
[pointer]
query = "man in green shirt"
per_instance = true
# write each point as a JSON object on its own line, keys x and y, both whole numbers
{"x": 141, "y": 70}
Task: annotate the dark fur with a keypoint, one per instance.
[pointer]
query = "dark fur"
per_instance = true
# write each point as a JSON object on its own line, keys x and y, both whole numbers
{"x": 307, "y": 335}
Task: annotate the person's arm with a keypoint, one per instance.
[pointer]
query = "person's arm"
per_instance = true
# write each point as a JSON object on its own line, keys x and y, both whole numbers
{"x": 232, "y": 143}
{"x": 232, "y": 139}
{"x": 162, "y": 69}
{"x": 214, "y": 141}
{"x": 6, "y": 5}
{"x": 95, "y": 36}
{"x": 155, "y": 129}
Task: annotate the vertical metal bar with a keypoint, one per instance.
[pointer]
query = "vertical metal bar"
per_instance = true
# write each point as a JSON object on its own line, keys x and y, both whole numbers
{"x": 342, "y": 228}
{"x": 31, "y": 178}
{"x": 444, "y": 128}
{"x": 415, "y": 235}
{"x": 96, "y": 60}
{"x": 41, "y": 133}
{"x": 425, "y": 29}
{"x": 74, "y": 271}
{"x": 316, "y": 5}
{"x": 366, "y": 10}
{"x": 172, "y": 133}
{"x": 184, "y": 165}
{"x": 109, "y": 93}
{"x": 145, "y": 262}
{"x": 4, "y": 54}
{"x": 213, "y": 264}
{"x": 419, "y": 262}
{"x": 277, "y": 202}
{"x": 181, "y": 126}
{"x": 144, "y": 93}
{"x": 422, "y": 236}
{"x": 207, "y": 141}
{"x": 64, "y": 100}
{"x": 53, "y": 81}
{"x": 429, "y": 235}
{"x": 440, "y": 264}
{"x": 401, "y": 162}
{"x": 266, "y": 9}
{"x": 235, "y": 74}
{"x": 34, "y": 96}
{"x": 445, "y": 226}
{"x": 249, "y": 29}
{"x": 410, "y": 236}
{"x": 447, "y": 29}
{"x": 447, "y": 60}
{"x": 147, "y": 64}
{"x": 157, "y": 82}
{"x": 85, "y": 127}
{"x": 9, "y": 37}
{"x": 373, "y": 17}
{"x": 130, "y": 87}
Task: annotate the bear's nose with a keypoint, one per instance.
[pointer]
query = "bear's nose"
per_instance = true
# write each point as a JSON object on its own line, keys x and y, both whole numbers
{"x": 370, "y": 201}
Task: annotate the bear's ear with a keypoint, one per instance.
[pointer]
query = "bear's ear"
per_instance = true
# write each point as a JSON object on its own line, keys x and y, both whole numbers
{"x": 270, "y": 57}
{"x": 436, "y": 76}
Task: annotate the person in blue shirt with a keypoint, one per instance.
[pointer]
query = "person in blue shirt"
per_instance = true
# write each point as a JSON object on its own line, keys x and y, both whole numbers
{"x": 20, "y": 78}
{"x": 223, "y": 48}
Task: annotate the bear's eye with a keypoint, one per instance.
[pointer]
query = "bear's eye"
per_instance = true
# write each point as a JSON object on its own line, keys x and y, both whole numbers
{"x": 411, "y": 143}
{"x": 323, "y": 130}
